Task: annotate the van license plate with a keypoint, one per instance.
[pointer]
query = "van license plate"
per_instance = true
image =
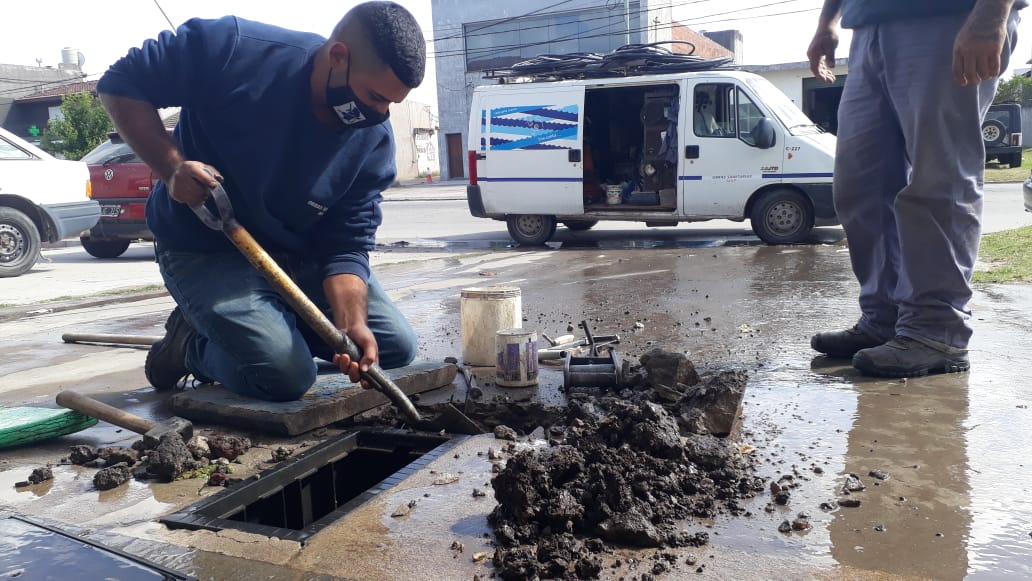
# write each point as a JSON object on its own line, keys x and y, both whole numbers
{"x": 110, "y": 210}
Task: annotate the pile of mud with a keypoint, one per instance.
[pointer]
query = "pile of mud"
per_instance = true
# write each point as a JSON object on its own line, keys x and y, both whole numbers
{"x": 626, "y": 469}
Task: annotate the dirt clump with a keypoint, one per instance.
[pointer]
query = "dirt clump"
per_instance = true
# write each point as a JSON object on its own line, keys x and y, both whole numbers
{"x": 82, "y": 454}
{"x": 280, "y": 454}
{"x": 117, "y": 455}
{"x": 228, "y": 446}
{"x": 170, "y": 459}
{"x": 624, "y": 469}
{"x": 112, "y": 476}
{"x": 38, "y": 475}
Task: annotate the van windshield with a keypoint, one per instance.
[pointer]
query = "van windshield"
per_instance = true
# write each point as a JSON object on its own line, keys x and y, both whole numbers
{"x": 787, "y": 112}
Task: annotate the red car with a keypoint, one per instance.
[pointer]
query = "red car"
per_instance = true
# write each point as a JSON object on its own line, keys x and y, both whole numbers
{"x": 121, "y": 183}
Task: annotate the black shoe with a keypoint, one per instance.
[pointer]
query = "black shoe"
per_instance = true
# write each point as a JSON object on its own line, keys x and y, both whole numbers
{"x": 906, "y": 357}
{"x": 166, "y": 361}
{"x": 843, "y": 343}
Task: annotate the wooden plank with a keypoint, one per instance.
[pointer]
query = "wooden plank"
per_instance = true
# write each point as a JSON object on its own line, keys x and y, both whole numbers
{"x": 25, "y": 425}
{"x": 332, "y": 399}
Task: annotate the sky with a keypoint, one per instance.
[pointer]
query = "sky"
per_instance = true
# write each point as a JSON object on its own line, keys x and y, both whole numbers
{"x": 105, "y": 31}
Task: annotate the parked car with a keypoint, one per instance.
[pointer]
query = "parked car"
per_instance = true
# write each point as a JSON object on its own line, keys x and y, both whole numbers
{"x": 121, "y": 183}
{"x": 1001, "y": 132}
{"x": 42, "y": 199}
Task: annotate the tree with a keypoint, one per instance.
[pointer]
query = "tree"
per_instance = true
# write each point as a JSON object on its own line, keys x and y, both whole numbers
{"x": 85, "y": 125}
{"x": 1018, "y": 89}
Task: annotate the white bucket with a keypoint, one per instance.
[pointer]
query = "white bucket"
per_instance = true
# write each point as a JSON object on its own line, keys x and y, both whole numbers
{"x": 613, "y": 194}
{"x": 484, "y": 311}
{"x": 517, "y": 360}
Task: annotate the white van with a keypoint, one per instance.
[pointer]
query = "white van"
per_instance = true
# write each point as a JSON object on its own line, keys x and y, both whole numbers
{"x": 659, "y": 149}
{"x": 42, "y": 198}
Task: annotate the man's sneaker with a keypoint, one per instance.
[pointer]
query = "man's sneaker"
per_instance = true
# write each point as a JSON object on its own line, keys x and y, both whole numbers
{"x": 166, "y": 361}
{"x": 907, "y": 357}
{"x": 843, "y": 343}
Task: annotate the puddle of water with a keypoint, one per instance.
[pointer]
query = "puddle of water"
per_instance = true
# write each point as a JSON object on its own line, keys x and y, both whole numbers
{"x": 32, "y": 552}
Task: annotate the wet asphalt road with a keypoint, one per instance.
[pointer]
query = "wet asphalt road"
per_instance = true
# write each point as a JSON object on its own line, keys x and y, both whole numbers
{"x": 956, "y": 448}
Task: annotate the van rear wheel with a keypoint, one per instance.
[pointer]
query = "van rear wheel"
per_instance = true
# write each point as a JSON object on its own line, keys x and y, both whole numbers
{"x": 782, "y": 216}
{"x": 531, "y": 229}
{"x": 19, "y": 243}
{"x": 580, "y": 225}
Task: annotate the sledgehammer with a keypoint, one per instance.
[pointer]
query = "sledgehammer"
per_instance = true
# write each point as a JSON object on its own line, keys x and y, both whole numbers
{"x": 151, "y": 431}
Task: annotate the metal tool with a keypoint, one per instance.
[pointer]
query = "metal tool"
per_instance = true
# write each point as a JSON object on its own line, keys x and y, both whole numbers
{"x": 307, "y": 310}
{"x": 593, "y": 371}
{"x": 110, "y": 339}
{"x": 596, "y": 343}
{"x": 151, "y": 431}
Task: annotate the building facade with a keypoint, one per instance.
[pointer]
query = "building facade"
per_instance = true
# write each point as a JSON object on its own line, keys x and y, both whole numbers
{"x": 820, "y": 101}
{"x": 473, "y": 37}
{"x": 20, "y": 86}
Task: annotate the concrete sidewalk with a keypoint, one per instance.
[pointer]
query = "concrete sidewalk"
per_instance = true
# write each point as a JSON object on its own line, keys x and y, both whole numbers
{"x": 420, "y": 191}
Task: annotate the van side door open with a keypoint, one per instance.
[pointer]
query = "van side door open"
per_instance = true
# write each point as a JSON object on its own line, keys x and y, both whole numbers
{"x": 724, "y": 155}
{"x": 530, "y": 150}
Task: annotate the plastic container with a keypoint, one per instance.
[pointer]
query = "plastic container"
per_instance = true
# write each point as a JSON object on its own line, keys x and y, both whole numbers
{"x": 484, "y": 311}
{"x": 517, "y": 358}
{"x": 613, "y": 194}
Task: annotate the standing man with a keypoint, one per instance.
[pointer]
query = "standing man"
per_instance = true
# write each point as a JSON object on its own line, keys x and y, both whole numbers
{"x": 295, "y": 128}
{"x": 909, "y": 169}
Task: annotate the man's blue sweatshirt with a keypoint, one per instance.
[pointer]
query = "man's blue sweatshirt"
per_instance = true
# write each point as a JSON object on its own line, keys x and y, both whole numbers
{"x": 297, "y": 185}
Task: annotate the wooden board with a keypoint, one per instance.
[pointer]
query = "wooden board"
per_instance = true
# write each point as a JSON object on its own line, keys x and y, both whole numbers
{"x": 332, "y": 399}
{"x": 25, "y": 425}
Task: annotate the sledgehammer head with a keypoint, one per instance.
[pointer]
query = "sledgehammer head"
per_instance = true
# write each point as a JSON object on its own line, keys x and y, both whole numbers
{"x": 178, "y": 425}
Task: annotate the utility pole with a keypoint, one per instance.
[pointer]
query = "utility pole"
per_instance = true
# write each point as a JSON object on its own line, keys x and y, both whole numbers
{"x": 627, "y": 21}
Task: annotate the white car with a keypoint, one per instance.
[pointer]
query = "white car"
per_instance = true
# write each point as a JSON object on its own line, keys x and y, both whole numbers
{"x": 42, "y": 199}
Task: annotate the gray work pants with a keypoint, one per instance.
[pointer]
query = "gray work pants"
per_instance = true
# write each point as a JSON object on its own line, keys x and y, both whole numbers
{"x": 908, "y": 178}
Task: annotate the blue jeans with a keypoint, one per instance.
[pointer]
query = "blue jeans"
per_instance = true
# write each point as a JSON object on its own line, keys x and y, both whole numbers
{"x": 908, "y": 177}
{"x": 249, "y": 339}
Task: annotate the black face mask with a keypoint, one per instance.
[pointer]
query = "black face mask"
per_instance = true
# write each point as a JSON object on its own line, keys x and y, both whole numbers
{"x": 352, "y": 112}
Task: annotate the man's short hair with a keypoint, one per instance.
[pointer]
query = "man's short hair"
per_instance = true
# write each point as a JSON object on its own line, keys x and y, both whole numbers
{"x": 392, "y": 34}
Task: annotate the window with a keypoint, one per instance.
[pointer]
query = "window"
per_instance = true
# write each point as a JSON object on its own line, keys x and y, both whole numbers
{"x": 10, "y": 151}
{"x": 724, "y": 110}
{"x": 714, "y": 110}
{"x": 748, "y": 116}
{"x": 499, "y": 44}
{"x": 110, "y": 152}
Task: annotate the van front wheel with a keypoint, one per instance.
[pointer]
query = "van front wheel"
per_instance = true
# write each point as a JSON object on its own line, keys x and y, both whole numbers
{"x": 531, "y": 229}
{"x": 782, "y": 216}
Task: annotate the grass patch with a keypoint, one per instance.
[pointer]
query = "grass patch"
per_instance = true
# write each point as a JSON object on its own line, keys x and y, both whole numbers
{"x": 995, "y": 172}
{"x": 1007, "y": 256}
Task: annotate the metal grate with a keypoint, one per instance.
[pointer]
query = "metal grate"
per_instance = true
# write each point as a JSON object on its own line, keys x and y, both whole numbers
{"x": 301, "y": 496}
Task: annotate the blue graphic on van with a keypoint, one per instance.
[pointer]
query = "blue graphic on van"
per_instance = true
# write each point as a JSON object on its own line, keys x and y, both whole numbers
{"x": 534, "y": 127}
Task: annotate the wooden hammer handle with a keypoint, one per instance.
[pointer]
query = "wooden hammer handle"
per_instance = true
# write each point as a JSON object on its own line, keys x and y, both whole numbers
{"x": 102, "y": 411}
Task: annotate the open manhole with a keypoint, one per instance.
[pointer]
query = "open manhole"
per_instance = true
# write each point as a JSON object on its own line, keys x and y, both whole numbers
{"x": 301, "y": 496}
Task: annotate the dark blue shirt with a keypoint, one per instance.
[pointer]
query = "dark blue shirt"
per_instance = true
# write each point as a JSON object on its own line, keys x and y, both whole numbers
{"x": 856, "y": 13}
{"x": 297, "y": 185}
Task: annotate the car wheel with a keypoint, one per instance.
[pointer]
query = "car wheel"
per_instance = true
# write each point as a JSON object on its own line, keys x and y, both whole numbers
{"x": 782, "y": 216}
{"x": 1015, "y": 159}
{"x": 992, "y": 131}
{"x": 19, "y": 243}
{"x": 580, "y": 225}
{"x": 531, "y": 229}
{"x": 104, "y": 248}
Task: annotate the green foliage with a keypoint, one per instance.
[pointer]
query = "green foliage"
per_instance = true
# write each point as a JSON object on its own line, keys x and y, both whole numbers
{"x": 1016, "y": 90}
{"x": 85, "y": 125}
